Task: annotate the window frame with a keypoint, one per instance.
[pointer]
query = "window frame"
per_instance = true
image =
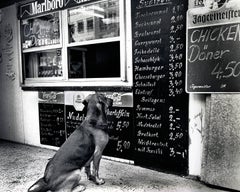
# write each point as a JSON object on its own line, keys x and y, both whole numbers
{"x": 125, "y": 78}
{"x": 24, "y": 80}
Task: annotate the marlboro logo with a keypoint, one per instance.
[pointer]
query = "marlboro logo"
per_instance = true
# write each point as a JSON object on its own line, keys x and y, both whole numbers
{"x": 47, "y": 5}
{"x": 38, "y": 7}
{"x": 43, "y": 6}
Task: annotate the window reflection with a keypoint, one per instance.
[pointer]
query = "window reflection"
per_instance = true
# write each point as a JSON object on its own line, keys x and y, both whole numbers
{"x": 40, "y": 31}
{"x": 95, "y": 21}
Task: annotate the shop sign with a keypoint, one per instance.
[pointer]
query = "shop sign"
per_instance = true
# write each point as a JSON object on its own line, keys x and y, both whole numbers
{"x": 120, "y": 99}
{"x": 210, "y": 12}
{"x": 45, "y": 6}
{"x": 78, "y": 101}
{"x": 213, "y": 40}
{"x": 51, "y": 97}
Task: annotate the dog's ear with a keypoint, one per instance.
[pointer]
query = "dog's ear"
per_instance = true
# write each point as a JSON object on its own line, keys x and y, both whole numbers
{"x": 110, "y": 102}
{"x": 86, "y": 100}
{"x": 105, "y": 100}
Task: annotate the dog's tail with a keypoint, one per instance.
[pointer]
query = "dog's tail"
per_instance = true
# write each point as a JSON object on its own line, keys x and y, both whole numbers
{"x": 39, "y": 186}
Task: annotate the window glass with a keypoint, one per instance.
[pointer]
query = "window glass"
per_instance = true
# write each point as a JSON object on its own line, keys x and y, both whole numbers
{"x": 95, "y": 61}
{"x": 99, "y": 20}
{"x": 40, "y": 31}
{"x": 43, "y": 64}
{"x": 80, "y": 27}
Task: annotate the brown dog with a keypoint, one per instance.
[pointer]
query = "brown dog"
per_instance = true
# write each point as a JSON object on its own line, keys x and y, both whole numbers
{"x": 85, "y": 145}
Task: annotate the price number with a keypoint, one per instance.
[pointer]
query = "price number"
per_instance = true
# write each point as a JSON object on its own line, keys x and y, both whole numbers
{"x": 173, "y": 128}
{"x": 175, "y": 83}
{"x": 173, "y": 39}
{"x": 176, "y": 74}
{"x": 123, "y": 145}
{"x": 231, "y": 70}
{"x": 174, "y": 66}
{"x": 174, "y": 29}
{"x": 178, "y": 8}
{"x": 172, "y": 110}
{"x": 174, "y": 153}
{"x": 175, "y": 136}
{"x": 122, "y": 125}
{"x": 176, "y": 47}
{"x": 175, "y": 57}
{"x": 59, "y": 120}
{"x": 178, "y": 18}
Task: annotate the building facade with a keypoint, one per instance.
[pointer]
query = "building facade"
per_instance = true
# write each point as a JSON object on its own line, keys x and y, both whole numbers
{"x": 171, "y": 68}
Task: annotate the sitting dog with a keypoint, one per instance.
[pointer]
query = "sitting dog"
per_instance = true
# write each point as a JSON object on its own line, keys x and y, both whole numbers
{"x": 84, "y": 145}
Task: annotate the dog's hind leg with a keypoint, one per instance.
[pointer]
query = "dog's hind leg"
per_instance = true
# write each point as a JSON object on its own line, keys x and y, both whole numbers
{"x": 69, "y": 182}
{"x": 39, "y": 186}
{"x": 79, "y": 188}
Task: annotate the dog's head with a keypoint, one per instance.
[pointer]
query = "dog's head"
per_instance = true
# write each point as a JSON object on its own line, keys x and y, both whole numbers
{"x": 97, "y": 105}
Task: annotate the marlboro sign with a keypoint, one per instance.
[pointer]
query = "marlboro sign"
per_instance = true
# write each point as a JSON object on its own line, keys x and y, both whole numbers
{"x": 45, "y": 6}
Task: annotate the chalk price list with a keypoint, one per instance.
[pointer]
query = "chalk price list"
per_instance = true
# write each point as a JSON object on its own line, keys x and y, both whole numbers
{"x": 176, "y": 51}
{"x": 118, "y": 128}
{"x": 51, "y": 120}
{"x": 176, "y": 81}
{"x": 159, "y": 79}
{"x": 120, "y": 137}
{"x": 213, "y": 58}
{"x": 176, "y": 135}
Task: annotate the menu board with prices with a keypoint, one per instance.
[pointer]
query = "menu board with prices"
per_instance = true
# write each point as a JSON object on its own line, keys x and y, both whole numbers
{"x": 74, "y": 118}
{"x": 51, "y": 118}
{"x": 120, "y": 123}
{"x": 213, "y": 61}
{"x": 160, "y": 102}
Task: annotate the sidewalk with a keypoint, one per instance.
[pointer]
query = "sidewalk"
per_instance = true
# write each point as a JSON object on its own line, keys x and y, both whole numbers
{"x": 22, "y": 165}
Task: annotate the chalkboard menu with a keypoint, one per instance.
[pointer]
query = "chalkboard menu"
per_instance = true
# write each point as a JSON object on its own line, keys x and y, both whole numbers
{"x": 160, "y": 102}
{"x": 51, "y": 118}
{"x": 73, "y": 118}
{"x": 213, "y": 60}
{"x": 120, "y": 122}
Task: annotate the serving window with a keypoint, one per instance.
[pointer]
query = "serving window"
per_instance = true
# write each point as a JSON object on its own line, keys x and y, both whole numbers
{"x": 83, "y": 43}
{"x": 42, "y": 64}
{"x": 42, "y": 47}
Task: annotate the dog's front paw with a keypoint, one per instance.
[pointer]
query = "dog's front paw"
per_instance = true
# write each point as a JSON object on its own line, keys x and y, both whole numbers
{"x": 99, "y": 181}
{"x": 91, "y": 178}
{"x": 96, "y": 180}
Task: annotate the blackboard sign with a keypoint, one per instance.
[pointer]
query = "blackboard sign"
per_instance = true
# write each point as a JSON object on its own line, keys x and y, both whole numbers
{"x": 52, "y": 126}
{"x": 120, "y": 122}
{"x": 51, "y": 118}
{"x": 160, "y": 102}
{"x": 73, "y": 118}
{"x": 213, "y": 61}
